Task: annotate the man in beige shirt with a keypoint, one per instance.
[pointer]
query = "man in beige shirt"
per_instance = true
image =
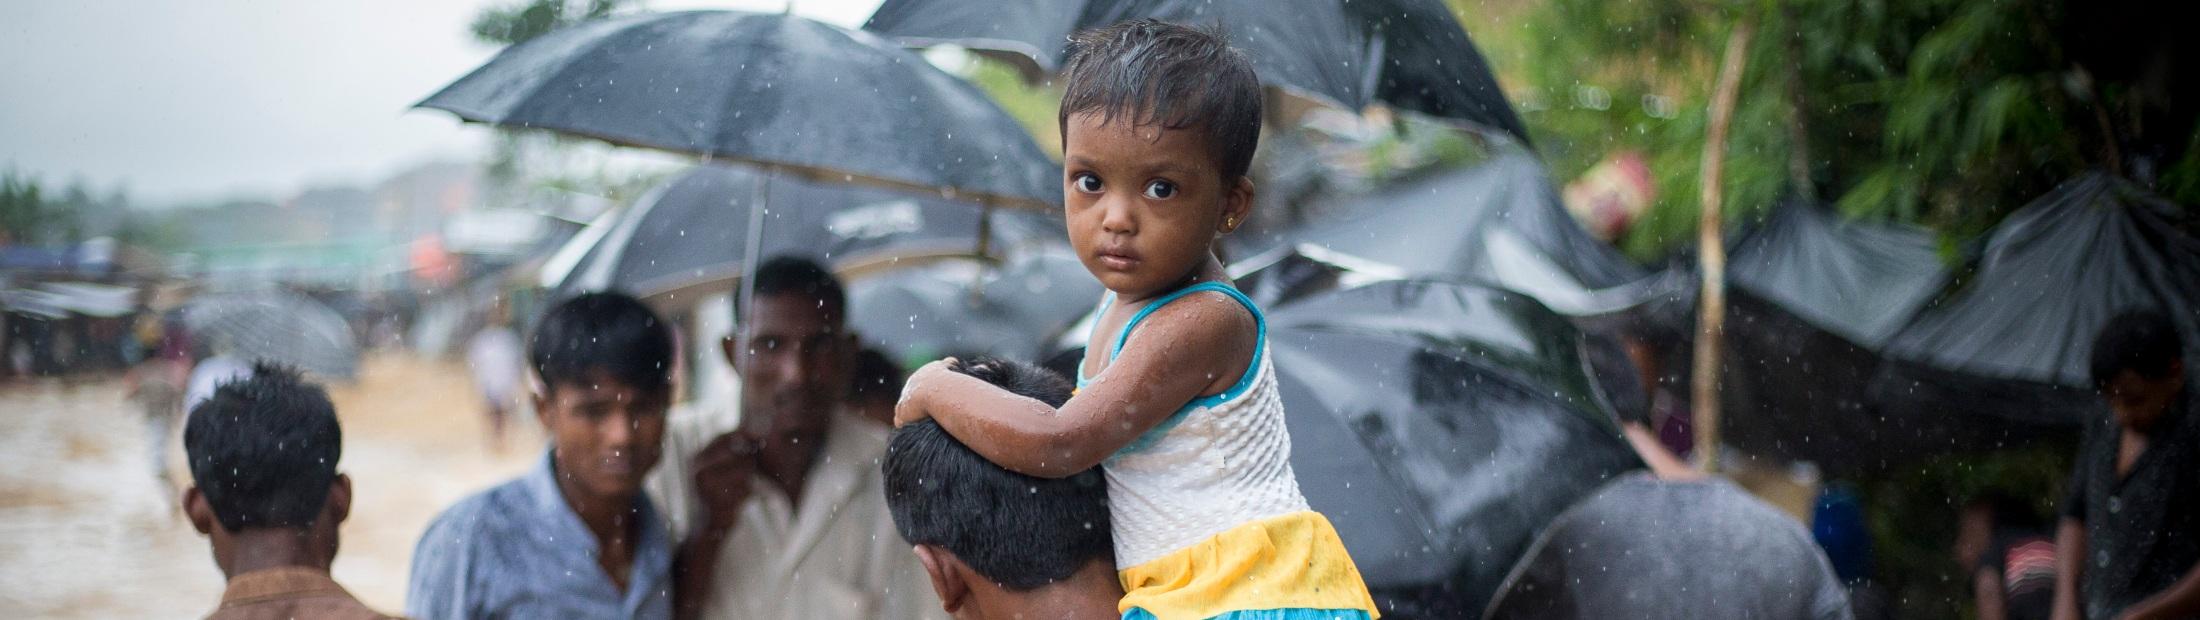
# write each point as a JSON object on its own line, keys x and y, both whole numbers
{"x": 263, "y": 452}
{"x": 783, "y": 515}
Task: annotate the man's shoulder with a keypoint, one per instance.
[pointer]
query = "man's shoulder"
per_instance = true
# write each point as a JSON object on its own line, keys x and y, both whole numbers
{"x": 480, "y": 517}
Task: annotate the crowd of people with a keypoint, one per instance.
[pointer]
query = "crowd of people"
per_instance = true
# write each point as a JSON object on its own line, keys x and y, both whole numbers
{"x": 1157, "y": 484}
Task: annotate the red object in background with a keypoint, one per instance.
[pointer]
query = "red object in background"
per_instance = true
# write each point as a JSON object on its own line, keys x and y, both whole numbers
{"x": 1611, "y": 196}
{"x": 431, "y": 264}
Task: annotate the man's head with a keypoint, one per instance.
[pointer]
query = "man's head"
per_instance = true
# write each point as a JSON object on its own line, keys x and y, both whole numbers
{"x": 976, "y": 524}
{"x": 1985, "y": 515}
{"x": 605, "y": 365}
{"x": 1159, "y": 124}
{"x": 263, "y": 452}
{"x": 795, "y": 349}
{"x": 2138, "y": 365}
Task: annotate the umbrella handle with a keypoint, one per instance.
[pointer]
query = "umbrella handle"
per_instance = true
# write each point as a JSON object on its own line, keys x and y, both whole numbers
{"x": 758, "y": 199}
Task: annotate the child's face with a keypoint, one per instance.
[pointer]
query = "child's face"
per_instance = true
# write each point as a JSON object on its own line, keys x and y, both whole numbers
{"x": 606, "y": 435}
{"x": 1144, "y": 203}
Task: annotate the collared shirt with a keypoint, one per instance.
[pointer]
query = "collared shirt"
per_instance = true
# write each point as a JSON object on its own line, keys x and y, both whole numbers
{"x": 290, "y": 592}
{"x": 836, "y": 555}
{"x": 2142, "y": 530}
{"x": 519, "y": 551}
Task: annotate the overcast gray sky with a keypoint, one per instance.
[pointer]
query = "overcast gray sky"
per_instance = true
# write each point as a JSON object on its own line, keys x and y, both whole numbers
{"x": 207, "y": 99}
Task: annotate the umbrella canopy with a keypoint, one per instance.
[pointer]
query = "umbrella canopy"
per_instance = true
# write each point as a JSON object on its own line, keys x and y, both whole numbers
{"x": 770, "y": 89}
{"x": 1410, "y": 54}
{"x": 1440, "y": 426}
{"x": 961, "y": 307}
{"x": 279, "y": 327}
{"x": 1859, "y": 280}
{"x": 1649, "y": 548}
{"x": 1498, "y": 221}
{"x": 693, "y": 229}
{"x": 2014, "y": 344}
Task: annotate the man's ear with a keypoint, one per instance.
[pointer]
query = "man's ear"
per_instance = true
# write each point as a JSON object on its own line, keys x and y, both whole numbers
{"x": 200, "y": 513}
{"x": 339, "y": 500}
{"x": 946, "y": 574}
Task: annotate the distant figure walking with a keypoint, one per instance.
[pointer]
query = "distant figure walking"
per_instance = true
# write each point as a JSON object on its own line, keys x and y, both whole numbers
{"x": 497, "y": 360}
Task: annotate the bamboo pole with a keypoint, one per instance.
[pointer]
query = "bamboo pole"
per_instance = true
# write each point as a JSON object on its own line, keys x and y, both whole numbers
{"x": 1798, "y": 108}
{"x": 1711, "y": 318}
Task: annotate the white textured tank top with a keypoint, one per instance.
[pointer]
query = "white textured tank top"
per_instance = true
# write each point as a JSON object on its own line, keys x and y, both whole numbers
{"x": 1220, "y": 462}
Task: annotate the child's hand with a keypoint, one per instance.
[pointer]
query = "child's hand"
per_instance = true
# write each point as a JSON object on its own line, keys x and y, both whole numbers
{"x": 909, "y": 408}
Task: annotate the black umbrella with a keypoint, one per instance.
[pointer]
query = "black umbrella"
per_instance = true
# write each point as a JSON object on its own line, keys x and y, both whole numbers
{"x": 2013, "y": 344}
{"x": 959, "y": 307}
{"x": 276, "y": 326}
{"x": 1438, "y": 425}
{"x": 1497, "y": 221}
{"x": 1408, "y": 53}
{"x": 776, "y": 90}
{"x": 691, "y": 230}
{"x": 1649, "y": 548}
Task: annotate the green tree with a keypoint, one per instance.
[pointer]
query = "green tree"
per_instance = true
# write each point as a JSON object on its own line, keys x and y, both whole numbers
{"x": 28, "y": 216}
{"x": 1945, "y": 113}
{"x": 516, "y": 153}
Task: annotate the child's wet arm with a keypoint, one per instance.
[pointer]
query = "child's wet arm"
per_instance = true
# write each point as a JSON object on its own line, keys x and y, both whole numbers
{"x": 1017, "y": 433}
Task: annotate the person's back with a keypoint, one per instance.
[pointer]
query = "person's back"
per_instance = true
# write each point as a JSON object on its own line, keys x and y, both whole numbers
{"x": 1650, "y": 548}
{"x": 263, "y": 453}
{"x": 995, "y": 543}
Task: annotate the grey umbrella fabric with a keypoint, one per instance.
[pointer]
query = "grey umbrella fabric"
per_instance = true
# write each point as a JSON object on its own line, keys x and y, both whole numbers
{"x": 925, "y": 312}
{"x": 279, "y": 327}
{"x": 1649, "y": 548}
{"x": 769, "y": 89}
{"x": 1439, "y": 426}
{"x": 693, "y": 229}
{"x": 1412, "y": 54}
{"x": 1859, "y": 280}
{"x": 1498, "y": 221}
{"x": 2013, "y": 345}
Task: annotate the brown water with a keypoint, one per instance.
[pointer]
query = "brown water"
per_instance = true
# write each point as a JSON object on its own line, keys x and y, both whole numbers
{"x": 86, "y": 531}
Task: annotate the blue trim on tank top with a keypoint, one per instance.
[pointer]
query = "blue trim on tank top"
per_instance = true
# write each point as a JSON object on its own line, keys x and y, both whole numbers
{"x": 1244, "y": 383}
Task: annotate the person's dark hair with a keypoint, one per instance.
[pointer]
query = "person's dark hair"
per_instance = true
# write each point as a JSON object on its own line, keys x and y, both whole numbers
{"x": 2008, "y": 510}
{"x": 2141, "y": 341}
{"x": 1147, "y": 72}
{"x": 876, "y": 377}
{"x": 263, "y": 449}
{"x": 795, "y": 275}
{"x": 1020, "y": 531}
{"x": 608, "y": 332}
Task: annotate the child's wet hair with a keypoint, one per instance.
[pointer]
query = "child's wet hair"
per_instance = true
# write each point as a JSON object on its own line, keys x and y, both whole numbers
{"x": 1151, "y": 72}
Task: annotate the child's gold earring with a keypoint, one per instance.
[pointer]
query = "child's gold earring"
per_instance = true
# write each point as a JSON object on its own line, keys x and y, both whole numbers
{"x": 1229, "y": 223}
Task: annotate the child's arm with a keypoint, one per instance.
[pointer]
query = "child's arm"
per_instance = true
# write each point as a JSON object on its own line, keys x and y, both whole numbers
{"x": 1192, "y": 347}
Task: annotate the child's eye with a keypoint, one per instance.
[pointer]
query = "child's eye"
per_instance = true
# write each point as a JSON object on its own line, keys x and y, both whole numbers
{"x": 1160, "y": 190}
{"x": 1085, "y": 182}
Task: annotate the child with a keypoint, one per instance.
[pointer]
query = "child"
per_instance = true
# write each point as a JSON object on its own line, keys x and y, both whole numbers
{"x": 1158, "y": 126}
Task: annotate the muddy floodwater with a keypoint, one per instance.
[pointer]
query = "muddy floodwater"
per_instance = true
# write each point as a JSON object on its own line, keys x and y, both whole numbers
{"x": 87, "y": 531}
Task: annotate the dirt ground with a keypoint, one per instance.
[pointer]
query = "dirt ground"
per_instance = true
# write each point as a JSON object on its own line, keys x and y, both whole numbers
{"x": 87, "y": 531}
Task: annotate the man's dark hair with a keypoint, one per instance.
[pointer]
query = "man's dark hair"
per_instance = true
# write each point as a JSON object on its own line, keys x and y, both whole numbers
{"x": 2141, "y": 341}
{"x": 795, "y": 275}
{"x": 2008, "y": 510}
{"x": 608, "y": 332}
{"x": 263, "y": 449}
{"x": 1148, "y": 71}
{"x": 876, "y": 377}
{"x": 1020, "y": 531}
